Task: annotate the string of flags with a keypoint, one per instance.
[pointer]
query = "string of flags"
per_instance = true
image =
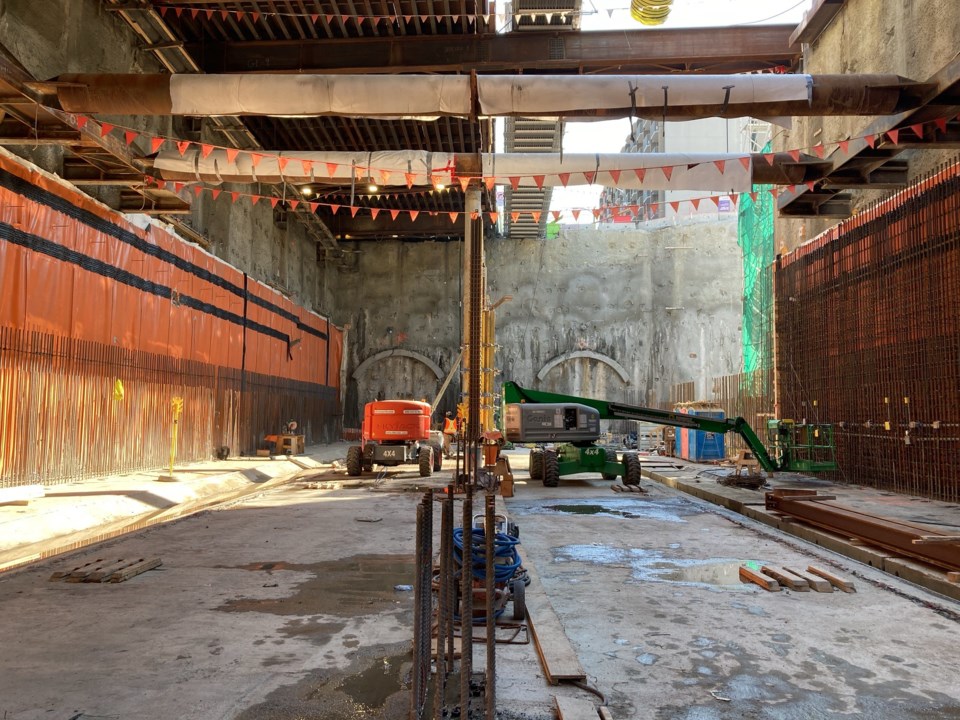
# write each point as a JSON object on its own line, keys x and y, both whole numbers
{"x": 180, "y": 10}
{"x": 156, "y": 143}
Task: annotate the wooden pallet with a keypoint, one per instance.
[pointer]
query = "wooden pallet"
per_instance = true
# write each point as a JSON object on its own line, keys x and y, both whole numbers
{"x": 107, "y": 571}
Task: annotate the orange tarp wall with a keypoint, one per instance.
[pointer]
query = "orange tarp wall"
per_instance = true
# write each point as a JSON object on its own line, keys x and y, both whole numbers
{"x": 88, "y": 298}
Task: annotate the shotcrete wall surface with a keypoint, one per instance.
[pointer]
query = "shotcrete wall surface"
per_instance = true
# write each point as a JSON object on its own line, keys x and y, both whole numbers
{"x": 662, "y": 303}
{"x": 911, "y": 39}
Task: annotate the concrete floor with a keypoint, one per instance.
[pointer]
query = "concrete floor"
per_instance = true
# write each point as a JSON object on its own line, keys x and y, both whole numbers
{"x": 292, "y": 604}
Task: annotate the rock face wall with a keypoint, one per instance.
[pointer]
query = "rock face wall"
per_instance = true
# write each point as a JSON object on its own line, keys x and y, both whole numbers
{"x": 604, "y": 313}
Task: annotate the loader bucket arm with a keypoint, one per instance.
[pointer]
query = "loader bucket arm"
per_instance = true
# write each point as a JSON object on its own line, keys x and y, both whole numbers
{"x": 513, "y": 393}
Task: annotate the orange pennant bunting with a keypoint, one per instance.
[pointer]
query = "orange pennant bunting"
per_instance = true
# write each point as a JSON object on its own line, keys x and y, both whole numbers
{"x": 615, "y": 176}
{"x": 894, "y": 136}
{"x": 129, "y": 136}
{"x": 182, "y": 146}
{"x": 353, "y": 210}
{"x": 640, "y": 173}
{"x": 464, "y": 182}
{"x": 695, "y": 202}
{"x": 818, "y": 150}
{"x": 844, "y": 146}
{"x": 413, "y": 215}
{"x": 216, "y": 193}
{"x": 871, "y": 140}
{"x": 105, "y": 129}
{"x": 490, "y": 182}
{"x": 564, "y": 178}
{"x": 334, "y": 209}
{"x": 409, "y": 177}
{"x": 538, "y": 179}
{"x": 234, "y": 196}
{"x": 453, "y": 216}
{"x": 795, "y": 154}
{"x": 205, "y": 150}
{"x": 274, "y": 201}
{"x": 393, "y": 214}
{"x": 576, "y": 213}
{"x": 917, "y": 130}
{"x": 721, "y": 165}
{"x": 745, "y": 161}
{"x": 514, "y": 216}
{"x": 941, "y": 124}
{"x": 536, "y": 215}
{"x": 294, "y": 204}
{"x": 515, "y": 182}
{"x": 667, "y": 172}
{"x": 556, "y": 215}
{"x": 769, "y": 158}
{"x": 331, "y": 169}
{"x": 590, "y": 177}
{"x": 232, "y": 154}
{"x": 82, "y": 120}
{"x": 374, "y": 212}
{"x": 494, "y": 216}
{"x": 255, "y": 158}
{"x": 675, "y": 205}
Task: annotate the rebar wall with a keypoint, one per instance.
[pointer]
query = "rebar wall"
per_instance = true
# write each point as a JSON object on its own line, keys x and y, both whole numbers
{"x": 868, "y": 338}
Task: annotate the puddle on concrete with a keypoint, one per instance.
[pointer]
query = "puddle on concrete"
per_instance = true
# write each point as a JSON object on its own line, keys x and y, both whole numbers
{"x": 374, "y": 687}
{"x": 671, "y": 510}
{"x": 353, "y": 586}
{"x": 652, "y": 566}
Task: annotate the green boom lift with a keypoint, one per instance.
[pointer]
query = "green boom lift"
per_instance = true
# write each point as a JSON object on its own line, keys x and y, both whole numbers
{"x": 572, "y": 425}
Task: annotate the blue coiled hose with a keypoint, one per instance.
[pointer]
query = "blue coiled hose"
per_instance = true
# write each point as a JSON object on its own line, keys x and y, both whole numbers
{"x": 506, "y": 559}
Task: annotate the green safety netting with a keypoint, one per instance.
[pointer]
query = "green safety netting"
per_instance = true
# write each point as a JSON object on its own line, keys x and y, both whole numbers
{"x": 755, "y": 238}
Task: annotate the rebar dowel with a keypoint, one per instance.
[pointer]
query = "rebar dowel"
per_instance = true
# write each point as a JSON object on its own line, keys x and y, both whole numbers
{"x": 466, "y": 605}
{"x": 416, "y": 705}
{"x": 451, "y": 587}
{"x": 490, "y": 694}
{"x": 442, "y": 616}
{"x": 426, "y": 594}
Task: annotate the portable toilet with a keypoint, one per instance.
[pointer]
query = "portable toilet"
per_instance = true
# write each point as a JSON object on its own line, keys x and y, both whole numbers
{"x": 699, "y": 445}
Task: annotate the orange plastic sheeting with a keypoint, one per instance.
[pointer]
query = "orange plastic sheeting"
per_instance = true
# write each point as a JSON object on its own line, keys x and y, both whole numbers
{"x": 13, "y": 281}
{"x": 92, "y": 302}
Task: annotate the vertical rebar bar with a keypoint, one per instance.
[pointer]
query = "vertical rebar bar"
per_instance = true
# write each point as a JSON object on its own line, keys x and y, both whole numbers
{"x": 489, "y": 535}
{"x": 466, "y": 604}
{"x": 416, "y": 690}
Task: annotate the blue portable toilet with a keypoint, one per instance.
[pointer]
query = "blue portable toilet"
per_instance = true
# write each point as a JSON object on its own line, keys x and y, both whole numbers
{"x": 699, "y": 445}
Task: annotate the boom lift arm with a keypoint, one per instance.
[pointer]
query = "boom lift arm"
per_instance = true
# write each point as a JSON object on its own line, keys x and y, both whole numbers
{"x": 513, "y": 393}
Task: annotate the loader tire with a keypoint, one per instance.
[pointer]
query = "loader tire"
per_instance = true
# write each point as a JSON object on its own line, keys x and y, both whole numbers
{"x": 611, "y": 457}
{"x": 425, "y": 460}
{"x": 536, "y": 464}
{"x": 631, "y": 469}
{"x": 551, "y": 468}
{"x": 354, "y": 460}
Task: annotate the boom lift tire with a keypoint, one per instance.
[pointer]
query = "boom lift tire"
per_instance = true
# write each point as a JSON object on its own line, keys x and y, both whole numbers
{"x": 631, "y": 466}
{"x": 354, "y": 460}
{"x": 518, "y": 592}
{"x": 425, "y": 459}
{"x": 611, "y": 457}
{"x": 551, "y": 469}
{"x": 536, "y": 464}
{"x": 437, "y": 458}
{"x": 368, "y": 458}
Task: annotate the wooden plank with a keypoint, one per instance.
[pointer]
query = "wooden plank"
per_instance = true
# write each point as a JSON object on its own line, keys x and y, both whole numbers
{"x": 86, "y": 567}
{"x": 81, "y": 574}
{"x": 749, "y": 576}
{"x": 837, "y": 582}
{"x": 937, "y": 539}
{"x": 557, "y": 656}
{"x": 605, "y": 713}
{"x": 818, "y": 584}
{"x": 575, "y": 708}
{"x": 784, "y": 578}
{"x": 20, "y": 494}
{"x": 134, "y": 570}
{"x": 101, "y": 574}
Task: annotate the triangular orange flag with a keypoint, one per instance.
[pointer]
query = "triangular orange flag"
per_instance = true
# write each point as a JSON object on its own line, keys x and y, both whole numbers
{"x": 254, "y": 16}
{"x": 667, "y": 172}
{"x": 917, "y": 130}
{"x": 556, "y": 215}
{"x": 490, "y": 182}
{"x": 331, "y": 169}
{"x": 393, "y": 214}
{"x": 409, "y": 177}
{"x": 716, "y": 200}
{"x": 818, "y": 150}
{"x": 232, "y": 154}
{"x": 769, "y": 158}
{"x": 314, "y": 17}
{"x": 844, "y": 146}
{"x": 105, "y": 129}
{"x": 205, "y": 150}
{"x": 774, "y": 192}
{"x": 82, "y": 120}
{"x": 894, "y": 136}
{"x": 745, "y": 161}
{"x": 721, "y": 165}
{"x": 538, "y": 179}
{"x": 596, "y": 213}
{"x": 675, "y": 205}
{"x": 590, "y": 177}
{"x": 536, "y": 215}
{"x": 576, "y": 213}
{"x": 474, "y": 215}
{"x": 615, "y": 176}
{"x": 255, "y": 158}
{"x": 413, "y": 215}
{"x": 374, "y": 212}
{"x": 494, "y": 216}
{"x": 334, "y": 209}
{"x": 564, "y": 178}
{"x": 129, "y": 136}
{"x": 514, "y": 216}
{"x": 314, "y": 206}
{"x": 294, "y": 204}
{"x": 464, "y": 182}
{"x": 514, "y": 182}
{"x": 654, "y": 209}
{"x": 353, "y": 210}
{"x": 695, "y": 202}
{"x": 182, "y": 146}
{"x": 871, "y": 140}
{"x": 274, "y": 201}
{"x": 453, "y": 216}
{"x": 795, "y": 154}
{"x": 640, "y": 173}
{"x": 234, "y": 196}
{"x": 216, "y": 193}
{"x": 811, "y": 186}
{"x": 941, "y": 124}
{"x": 307, "y": 167}
{"x": 283, "y": 162}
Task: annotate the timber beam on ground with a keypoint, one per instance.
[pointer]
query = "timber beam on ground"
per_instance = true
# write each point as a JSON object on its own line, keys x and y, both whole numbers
{"x": 903, "y": 538}
{"x": 714, "y": 50}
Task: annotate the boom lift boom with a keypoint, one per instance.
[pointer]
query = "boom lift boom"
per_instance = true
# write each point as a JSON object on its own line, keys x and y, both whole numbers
{"x": 573, "y": 423}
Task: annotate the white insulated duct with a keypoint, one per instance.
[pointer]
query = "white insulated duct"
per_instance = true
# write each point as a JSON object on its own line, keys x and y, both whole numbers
{"x": 687, "y": 171}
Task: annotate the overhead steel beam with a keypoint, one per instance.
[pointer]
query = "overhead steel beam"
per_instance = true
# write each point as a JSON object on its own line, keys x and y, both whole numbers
{"x": 735, "y": 49}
